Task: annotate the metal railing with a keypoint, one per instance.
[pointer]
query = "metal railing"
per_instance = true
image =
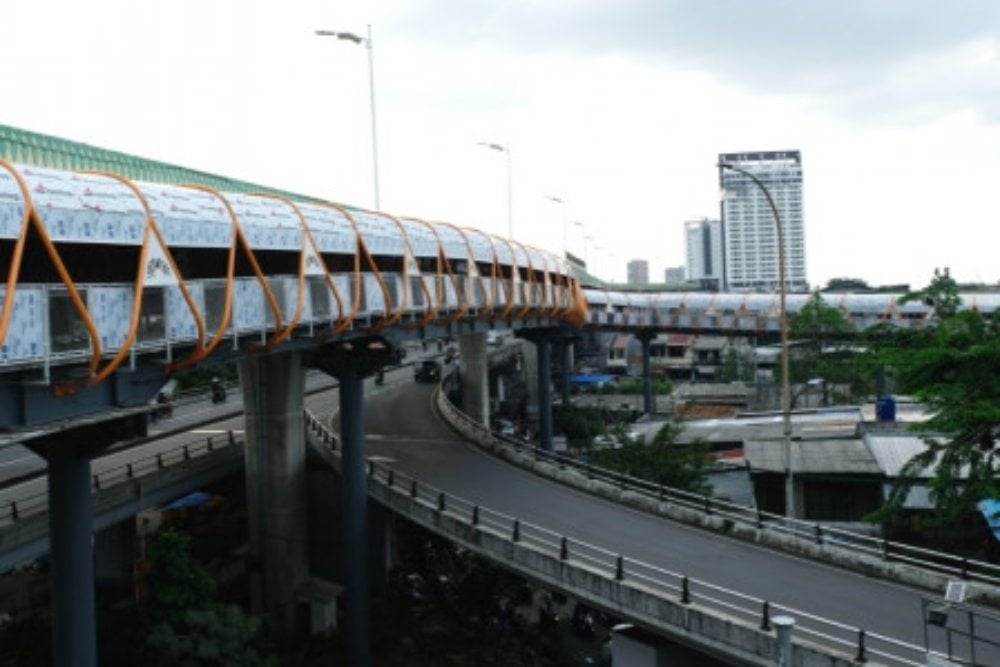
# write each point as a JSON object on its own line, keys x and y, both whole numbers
{"x": 37, "y": 503}
{"x": 969, "y": 636}
{"x": 756, "y": 612}
{"x": 808, "y": 531}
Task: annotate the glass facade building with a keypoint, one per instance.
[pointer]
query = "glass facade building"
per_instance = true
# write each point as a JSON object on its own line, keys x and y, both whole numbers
{"x": 748, "y": 227}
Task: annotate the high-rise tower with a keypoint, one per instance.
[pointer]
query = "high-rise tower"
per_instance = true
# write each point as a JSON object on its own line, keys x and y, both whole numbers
{"x": 703, "y": 242}
{"x": 748, "y": 227}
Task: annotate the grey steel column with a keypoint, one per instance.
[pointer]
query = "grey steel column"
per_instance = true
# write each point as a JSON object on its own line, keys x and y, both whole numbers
{"x": 566, "y": 349}
{"x": 74, "y": 627}
{"x": 544, "y": 393}
{"x": 648, "y": 406}
{"x": 355, "y": 519}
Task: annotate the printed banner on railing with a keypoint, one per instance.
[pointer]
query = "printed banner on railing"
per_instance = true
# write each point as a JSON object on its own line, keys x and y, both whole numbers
{"x": 158, "y": 270}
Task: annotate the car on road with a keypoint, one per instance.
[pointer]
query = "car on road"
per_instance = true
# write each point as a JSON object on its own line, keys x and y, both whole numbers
{"x": 427, "y": 370}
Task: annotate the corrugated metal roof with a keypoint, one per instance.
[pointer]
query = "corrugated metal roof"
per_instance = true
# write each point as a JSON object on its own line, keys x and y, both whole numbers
{"x": 620, "y": 341}
{"x": 827, "y": 456}
{"x": 43, "y": 150}
{"x": 711, "y": 343}
{"x": 892, "y": 451}
{"x": 814, "y": 426}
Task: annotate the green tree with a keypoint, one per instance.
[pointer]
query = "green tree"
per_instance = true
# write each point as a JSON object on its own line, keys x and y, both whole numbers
{"x": 823, "y": 350}
{"x": 951, "y": 366}
{"x": 662, "y": 461}
{"x": 736, "y": 367}
{"x": 846, "y": 285}
{"x": 941, "y": 295}
{"x": 580, "y": 425}
{"x": 185, "y": 625}
{"x": 201, "y": 377}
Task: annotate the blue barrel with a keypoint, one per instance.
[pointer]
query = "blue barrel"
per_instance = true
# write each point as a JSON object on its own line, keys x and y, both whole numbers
{"x": 885, "y": 409}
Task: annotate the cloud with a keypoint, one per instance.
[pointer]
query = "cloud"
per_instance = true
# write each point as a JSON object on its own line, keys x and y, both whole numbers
{"x": 876, "y": 59}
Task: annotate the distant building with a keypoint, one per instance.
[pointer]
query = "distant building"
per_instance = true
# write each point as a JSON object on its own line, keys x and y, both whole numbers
{"x": 638, "y": 272}
{"x": 748, "y": 228}
{"x": 673, "y": 275}
{"x": 703, "y": 241}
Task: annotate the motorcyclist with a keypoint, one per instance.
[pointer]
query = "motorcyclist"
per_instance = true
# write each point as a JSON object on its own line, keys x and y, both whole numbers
{"x": 218, "y": 391}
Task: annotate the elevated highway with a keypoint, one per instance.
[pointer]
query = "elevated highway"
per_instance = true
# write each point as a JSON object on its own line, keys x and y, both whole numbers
{"x": 417, "y": 444}
{"x": 114, "y": 280}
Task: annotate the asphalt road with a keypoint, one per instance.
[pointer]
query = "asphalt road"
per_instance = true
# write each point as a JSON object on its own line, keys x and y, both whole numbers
{"x": 404, "y": 432}
{"x": 22, "y": 479}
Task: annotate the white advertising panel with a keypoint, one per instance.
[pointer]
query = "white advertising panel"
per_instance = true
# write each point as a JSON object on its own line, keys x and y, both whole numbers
{"x": 330, "y": 229}
{"x": 11, "y": 206}
{"x": 381, "y": 234}
{"x": 423, "y": 243}
{"x": 188, "y": 217}
{"x": 268, "y": 224}
{"x": 85, "y": 208}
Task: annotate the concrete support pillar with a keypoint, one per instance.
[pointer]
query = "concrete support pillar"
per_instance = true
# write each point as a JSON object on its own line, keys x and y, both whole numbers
{"x": 475, "y": 377}
{"x": 543, "y": 347}
{"x": 277, "y": 497}
{"x": 355, "y": 516}
{"x": 74, "y": 627}
{"x": 384, "y": 544}
{"x": 648, "y": 404}
{"x": 114, "y": 554}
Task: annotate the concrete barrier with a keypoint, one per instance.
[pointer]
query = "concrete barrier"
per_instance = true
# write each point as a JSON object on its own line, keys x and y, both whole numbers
{"x": 831, "y": 554}
{"x": 708, "y": 630}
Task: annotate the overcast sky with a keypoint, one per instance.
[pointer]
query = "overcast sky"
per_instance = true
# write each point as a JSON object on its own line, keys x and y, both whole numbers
{"x": 618, "y": 107}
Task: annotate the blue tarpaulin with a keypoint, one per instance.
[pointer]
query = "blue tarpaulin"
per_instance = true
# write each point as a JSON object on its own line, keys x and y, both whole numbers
{"x": 991, "y": 510}
{"x": 196, "y": 499}
{"x": 589, "y": 379}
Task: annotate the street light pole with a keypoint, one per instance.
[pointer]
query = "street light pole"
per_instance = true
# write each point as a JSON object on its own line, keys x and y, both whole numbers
{"x": 505, "y": 149}
{"x": 565, "y": 231}
{"x": 367, "y": 42}
{"x": 786, "y": 394}
{"x": 583, "y": 237}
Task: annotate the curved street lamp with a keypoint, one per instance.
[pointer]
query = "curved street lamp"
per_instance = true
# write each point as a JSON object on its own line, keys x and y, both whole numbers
{"x": 367, "y": 43}
{"x": 565, "y": 230}
{"x": 505, "y": 149}
{"x": 786, "y": 393}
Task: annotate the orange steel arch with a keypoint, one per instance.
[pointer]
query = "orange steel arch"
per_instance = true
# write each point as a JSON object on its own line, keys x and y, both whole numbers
{"x": 151, "y": 231}
{"x": 485, "y": 311}
{"x": 548, "y": 286}
{"x": 389, "y": 317}
{"x": 307, "y": 240}
{"x": 472, "y": 263}
{"x": 462, "y": 295}
{"x": 360, "y": 247}
{"x": 239, "y": 240}
{"x": 526, "y": 308}
{"x": 434, "y": 301}
{"x": 510, "y": 289}
{"x": 31, "y": 218}
{"x": 15, "y": 262}
{"x": 398, "y": 313}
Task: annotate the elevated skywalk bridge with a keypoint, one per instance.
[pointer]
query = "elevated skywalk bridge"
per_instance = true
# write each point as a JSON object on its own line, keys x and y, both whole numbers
{"x": 119, "y": 271}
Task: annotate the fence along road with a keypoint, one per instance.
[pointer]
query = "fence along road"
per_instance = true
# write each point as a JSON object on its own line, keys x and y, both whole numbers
{"x": 414, "y": 442}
